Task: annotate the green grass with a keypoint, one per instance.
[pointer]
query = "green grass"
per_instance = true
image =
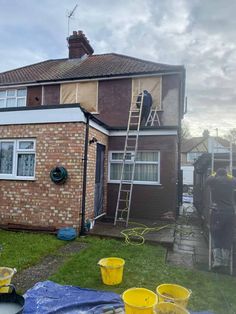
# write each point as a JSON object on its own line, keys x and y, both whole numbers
{"x": 21, "y": 250}
{"x": 145, "y": 267}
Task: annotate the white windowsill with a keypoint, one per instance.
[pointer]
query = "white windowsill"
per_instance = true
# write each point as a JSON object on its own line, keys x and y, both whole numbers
{"x": 136, "y": 182}
{"x": 17, "y": 178}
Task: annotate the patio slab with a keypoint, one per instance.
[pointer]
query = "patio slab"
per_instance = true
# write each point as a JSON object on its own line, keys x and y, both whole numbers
{"x": 164, "y": 236}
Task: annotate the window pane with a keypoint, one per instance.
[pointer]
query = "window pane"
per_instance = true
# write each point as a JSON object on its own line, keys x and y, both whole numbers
{"x": 115, "y": 172}
{"x": 21, "y": 92}
{"x": 117, "y": 156}
{"x": 6, "y": 157}
{"x": 11, "y": 102}
{"x": 2, "y": 93}
{"x": 147, "y": 156}
{"x": 11, "y": 92}
{"x": 25, "y": 165}
{"x": 21, "y": 102}
{"x": 26, "y": 145}
{"x": 2, "y": 103}
{"x": 146, "y": 173}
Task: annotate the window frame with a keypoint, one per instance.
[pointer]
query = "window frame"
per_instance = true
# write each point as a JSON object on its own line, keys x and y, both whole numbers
{"x": 16, "y": 151}
{"x": 15, "y": 97}
{"x": 119, "y": 161}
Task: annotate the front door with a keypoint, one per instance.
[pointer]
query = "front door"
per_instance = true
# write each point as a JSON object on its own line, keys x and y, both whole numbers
{"x": 99, "y": 181}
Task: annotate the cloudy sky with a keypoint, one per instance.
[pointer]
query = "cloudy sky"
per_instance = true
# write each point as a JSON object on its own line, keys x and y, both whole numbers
{"x": 201, "y": 34}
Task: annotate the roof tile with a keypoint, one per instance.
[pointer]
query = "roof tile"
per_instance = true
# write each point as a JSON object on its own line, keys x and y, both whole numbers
{"x": 94, "y": 66}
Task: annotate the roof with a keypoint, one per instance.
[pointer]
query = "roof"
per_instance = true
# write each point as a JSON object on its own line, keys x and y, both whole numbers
{"x": 94, "y": 66}
{"x": 193, "y": 142}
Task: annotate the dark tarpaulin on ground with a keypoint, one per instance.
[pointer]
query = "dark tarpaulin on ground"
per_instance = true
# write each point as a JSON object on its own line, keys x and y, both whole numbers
{"x": 48, "y": 297}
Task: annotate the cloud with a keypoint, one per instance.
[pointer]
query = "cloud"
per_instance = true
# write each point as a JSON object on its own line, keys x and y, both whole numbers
{"x": 199, "y": 34}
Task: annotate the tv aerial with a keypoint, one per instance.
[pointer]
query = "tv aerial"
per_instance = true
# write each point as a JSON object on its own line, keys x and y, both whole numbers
{"x": 69, "y": 16}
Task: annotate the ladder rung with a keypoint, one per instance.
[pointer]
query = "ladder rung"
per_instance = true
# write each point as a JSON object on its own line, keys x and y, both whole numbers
{"x": 134, "y": 110}
{"x": 130, "y": 147}
{"x": 121, "y": 200}
{"x": 132, "y": 123}
{"x": 128, "y": 181}
{"x": 126, "y": 191}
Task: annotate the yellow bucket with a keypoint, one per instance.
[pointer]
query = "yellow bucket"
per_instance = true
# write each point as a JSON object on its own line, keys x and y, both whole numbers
{"x": 5, "y": 277}
{"x": 167, "y": 307}
{"x": 139, "y": 301}
{"x": 173, "y": 293}
{"x": 111, "y": 270}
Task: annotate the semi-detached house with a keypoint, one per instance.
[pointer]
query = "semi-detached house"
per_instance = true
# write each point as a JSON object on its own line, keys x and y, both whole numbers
{"x": 73, "y": 113}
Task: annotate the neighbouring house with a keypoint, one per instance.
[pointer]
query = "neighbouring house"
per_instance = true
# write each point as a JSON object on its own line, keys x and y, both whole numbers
{"x": 193, "y": 148}
{"x": 71, "y": 114}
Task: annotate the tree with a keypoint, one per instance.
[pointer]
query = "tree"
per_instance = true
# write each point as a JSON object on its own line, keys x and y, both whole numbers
{"x": 231, "y": 136}
{"x": 185, "y": 131}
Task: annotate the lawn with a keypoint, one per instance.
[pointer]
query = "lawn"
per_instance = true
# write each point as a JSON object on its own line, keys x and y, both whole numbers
{"x": 21, "y": 250}
{"x": 145, "y": 267}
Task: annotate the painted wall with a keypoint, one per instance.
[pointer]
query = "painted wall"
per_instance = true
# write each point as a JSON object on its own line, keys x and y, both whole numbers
{"x": 150, "y": 201}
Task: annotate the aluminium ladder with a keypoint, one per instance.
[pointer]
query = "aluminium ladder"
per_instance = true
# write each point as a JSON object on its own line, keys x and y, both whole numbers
{"x": 230, "y": 160}
{"x": 153, "y": 117}
{"x": 131, "y": 146}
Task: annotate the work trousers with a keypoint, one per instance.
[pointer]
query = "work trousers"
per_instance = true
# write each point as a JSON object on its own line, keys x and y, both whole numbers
{"x": 222, "y": 228}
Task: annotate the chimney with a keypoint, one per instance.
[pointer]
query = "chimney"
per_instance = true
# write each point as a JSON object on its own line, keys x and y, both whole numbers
{"x": 79, "y": 45}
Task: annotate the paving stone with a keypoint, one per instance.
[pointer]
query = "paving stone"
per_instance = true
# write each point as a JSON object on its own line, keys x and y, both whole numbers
{"x": 180, "y": 259}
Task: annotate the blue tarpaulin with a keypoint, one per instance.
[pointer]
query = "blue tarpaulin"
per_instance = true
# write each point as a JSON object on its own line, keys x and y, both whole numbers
{"x": 48, "y": 297}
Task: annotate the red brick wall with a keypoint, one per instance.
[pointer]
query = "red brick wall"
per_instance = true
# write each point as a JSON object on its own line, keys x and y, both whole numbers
{"x": 42, "y": 202}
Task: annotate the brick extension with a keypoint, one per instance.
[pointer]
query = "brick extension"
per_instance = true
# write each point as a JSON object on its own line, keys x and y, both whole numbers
{"x": 42, "y": 202}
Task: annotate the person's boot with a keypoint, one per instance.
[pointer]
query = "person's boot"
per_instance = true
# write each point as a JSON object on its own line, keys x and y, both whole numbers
{"x": 225, "y": 257}
{"x": 217, "y": 258}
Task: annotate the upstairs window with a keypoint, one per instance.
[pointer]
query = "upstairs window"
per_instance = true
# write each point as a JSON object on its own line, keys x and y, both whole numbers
{"x": 10, "y": 98}
{"x": 17, "y": 159}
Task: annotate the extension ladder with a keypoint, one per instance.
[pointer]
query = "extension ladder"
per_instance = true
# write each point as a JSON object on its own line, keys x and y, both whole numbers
{"x": 129, "y": 160}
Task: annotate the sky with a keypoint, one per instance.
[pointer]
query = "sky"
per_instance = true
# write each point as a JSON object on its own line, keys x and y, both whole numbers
{"x": 199, "y": 34}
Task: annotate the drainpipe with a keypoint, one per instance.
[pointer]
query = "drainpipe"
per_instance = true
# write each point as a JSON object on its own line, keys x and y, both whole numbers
{"x": 85, "y": 159}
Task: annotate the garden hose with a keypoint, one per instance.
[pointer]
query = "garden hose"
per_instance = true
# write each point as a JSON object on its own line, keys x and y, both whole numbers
{"x": 135, "y": 236}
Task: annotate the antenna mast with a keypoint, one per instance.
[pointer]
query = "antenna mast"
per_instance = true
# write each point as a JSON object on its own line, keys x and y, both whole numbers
{"x": 70, "y": 14}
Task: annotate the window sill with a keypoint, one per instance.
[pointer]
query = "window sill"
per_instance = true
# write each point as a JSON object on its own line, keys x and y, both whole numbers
{"x": 137, "y": 183}
{"x": 17, "y": 178}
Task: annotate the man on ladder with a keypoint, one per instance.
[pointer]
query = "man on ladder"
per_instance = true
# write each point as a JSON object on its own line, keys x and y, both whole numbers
{"x": 222, "y": 217}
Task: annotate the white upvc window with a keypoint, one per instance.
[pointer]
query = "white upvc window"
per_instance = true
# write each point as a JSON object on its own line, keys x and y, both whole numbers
{"x": 147, "y": 167}
{"x": 10, "y": 98}
{"x": 17, "y": 159}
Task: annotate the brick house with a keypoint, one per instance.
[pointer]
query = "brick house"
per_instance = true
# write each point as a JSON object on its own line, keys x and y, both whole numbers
{"x": 73, "y": 113}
